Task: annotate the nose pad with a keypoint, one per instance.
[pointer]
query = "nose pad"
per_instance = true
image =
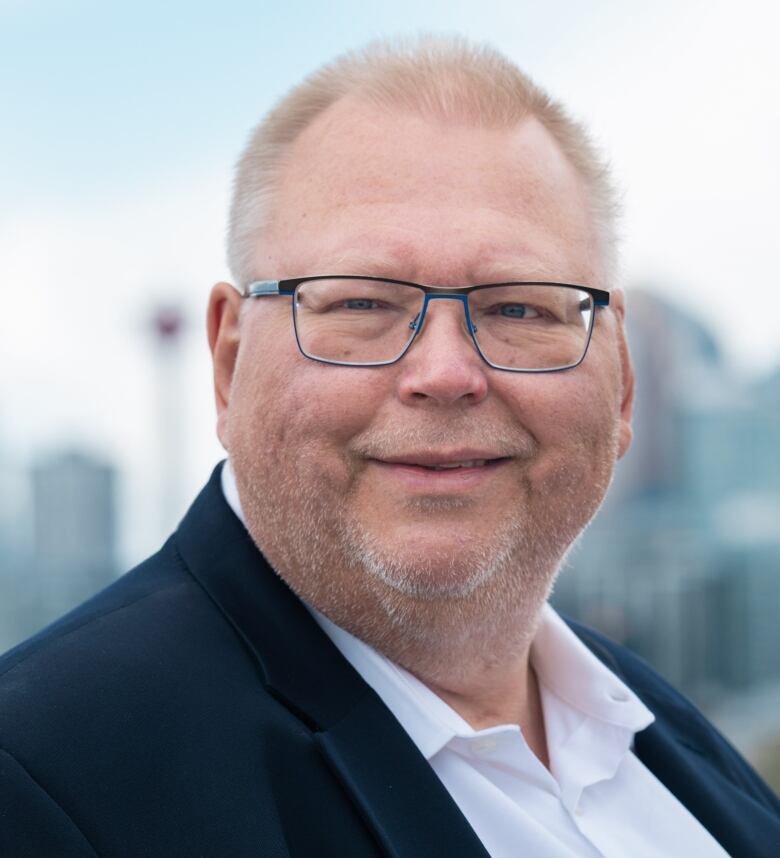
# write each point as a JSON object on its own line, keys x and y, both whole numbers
{"x": 416, "y": 324}
{"x": 420, "y": 319}
{"x": 471, "y": 328}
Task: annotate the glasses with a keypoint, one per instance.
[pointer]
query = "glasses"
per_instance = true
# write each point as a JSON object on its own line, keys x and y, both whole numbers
{"x": 372, "y": 321}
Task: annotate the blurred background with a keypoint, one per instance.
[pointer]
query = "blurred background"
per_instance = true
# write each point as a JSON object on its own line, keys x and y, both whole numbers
{"x": 119, "y": 126}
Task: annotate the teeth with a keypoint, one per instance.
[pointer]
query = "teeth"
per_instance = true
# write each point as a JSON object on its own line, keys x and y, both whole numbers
{"x": 475, "y": 463}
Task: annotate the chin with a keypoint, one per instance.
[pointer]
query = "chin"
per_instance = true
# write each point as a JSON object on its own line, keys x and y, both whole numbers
{"x": 427, "y": 570}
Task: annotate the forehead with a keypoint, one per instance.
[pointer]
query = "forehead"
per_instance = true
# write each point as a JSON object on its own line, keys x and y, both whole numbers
{"x": 365, "y": 186}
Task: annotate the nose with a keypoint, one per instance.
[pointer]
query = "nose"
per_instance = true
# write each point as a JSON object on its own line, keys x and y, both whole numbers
{"x": 443, "y": 365}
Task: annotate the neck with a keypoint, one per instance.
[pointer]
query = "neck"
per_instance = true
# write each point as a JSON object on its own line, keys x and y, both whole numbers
{"x": 512, "y": 697}
{"x": 480, "y": 668}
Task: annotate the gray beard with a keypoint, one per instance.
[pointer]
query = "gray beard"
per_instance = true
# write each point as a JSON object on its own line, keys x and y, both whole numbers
{"x": 429, "y": 614}
{"x": 436, "y": 613}
{"x": 448, "y": 576}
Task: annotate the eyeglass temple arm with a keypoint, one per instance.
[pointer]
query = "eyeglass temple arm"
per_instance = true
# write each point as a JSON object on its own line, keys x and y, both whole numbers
{"x": 265, "y": 287}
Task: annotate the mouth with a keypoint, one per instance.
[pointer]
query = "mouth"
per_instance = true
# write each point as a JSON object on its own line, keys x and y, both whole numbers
{"x": 450, "y": 466}
{"x": 430, "y": 471}
{"x": 446, "y": 460}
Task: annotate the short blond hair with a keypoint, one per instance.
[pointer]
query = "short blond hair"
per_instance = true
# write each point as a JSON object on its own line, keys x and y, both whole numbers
{"x": 446, "y": 78}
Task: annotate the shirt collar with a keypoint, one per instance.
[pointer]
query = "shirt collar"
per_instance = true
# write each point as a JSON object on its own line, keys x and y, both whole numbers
{"x": 429, "y": 721}
{"x": 230, "y": 490}
{"x": 577, "y": 677}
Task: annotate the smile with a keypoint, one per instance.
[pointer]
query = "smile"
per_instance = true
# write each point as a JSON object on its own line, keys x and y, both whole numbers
{"x": 474, "y": 463}
{"x": 432, "y": 473}
{"x": 450, "y": 466}
{"x": 464, "y": 457}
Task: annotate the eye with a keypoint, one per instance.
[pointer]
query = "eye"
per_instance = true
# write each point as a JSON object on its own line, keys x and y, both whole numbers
{"x": 518, "y": 311}
{"x": 360, "y": 304}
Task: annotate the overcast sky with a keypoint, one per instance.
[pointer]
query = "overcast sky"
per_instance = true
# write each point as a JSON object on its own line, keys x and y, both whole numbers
{"x": 121, "y": 123}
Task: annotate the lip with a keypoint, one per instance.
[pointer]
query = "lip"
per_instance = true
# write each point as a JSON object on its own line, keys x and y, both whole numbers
{"x": 413, "y": 475}
{"x": 428, "y": 458}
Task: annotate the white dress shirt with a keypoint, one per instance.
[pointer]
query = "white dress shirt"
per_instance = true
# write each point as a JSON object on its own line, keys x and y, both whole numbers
{"x": 597, "y": 798}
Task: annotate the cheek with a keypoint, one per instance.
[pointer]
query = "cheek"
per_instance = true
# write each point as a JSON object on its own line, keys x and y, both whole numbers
{"x": 299, "y": 413}
{"x": 575, "y": 420}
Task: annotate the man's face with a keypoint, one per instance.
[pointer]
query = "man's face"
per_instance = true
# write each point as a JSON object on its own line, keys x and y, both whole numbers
{"x": 333, "y": 463}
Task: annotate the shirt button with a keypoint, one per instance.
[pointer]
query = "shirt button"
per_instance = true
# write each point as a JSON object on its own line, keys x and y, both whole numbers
{"x": 619, "y": 696}
{"x": 481, "y": 745}
{"x": 580, "y": 810}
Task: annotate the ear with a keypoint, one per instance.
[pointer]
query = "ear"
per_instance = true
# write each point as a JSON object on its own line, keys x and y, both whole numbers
{"x": 224, "y": 334}
{"x": 617, "y": 302}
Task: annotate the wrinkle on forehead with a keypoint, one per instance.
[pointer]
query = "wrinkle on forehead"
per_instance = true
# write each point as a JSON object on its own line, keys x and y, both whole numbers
{"x": 500, "y": 203}
{"x": 399, "y": 261}
{"x": 446, "y": 256}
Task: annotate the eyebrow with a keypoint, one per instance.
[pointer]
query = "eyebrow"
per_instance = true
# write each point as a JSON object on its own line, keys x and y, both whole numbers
{"x": 522, "y": 270}
{"x": 371, "y": 265}
{"x": 386, "y": 265}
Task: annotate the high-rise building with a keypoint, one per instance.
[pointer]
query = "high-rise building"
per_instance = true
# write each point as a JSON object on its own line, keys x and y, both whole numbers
{"x": 682, "y": 562}
{"x": 74, "y": 528}
{"x": 18, "y": 598}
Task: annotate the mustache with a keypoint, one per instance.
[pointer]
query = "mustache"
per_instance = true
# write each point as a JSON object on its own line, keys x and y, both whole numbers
{"x": 500, "y": 440}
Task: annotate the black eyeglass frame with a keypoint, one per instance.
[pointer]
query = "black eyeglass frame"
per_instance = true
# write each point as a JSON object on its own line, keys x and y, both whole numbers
{"x": 264, "y": 288}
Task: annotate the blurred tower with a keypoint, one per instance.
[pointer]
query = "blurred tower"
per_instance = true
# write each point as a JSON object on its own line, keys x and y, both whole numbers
{"x": 168, "y": 326}
{"x": 74, "y": 530}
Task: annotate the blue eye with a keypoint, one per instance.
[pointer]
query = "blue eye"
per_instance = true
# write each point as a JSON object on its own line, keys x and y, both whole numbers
{"x": 518, "y": 311}
{"x": 360, "y": 304}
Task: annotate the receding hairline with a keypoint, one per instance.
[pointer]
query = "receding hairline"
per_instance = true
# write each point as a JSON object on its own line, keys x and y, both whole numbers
{"x": 438, "y": 78}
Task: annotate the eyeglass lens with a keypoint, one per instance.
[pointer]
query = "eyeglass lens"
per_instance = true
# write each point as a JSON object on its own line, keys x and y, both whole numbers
{"x": 515, "y": 326}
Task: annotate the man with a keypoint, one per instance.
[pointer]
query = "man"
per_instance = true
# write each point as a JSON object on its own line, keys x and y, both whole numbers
{"x": 413, "y": 462}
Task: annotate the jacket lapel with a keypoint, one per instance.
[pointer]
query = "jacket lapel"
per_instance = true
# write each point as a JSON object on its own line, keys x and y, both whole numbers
{"x": 694, "y": 762}
{"x": 394, "y": 788}
{"x": 397, "y": 791}
{"x": 742, "y": 825}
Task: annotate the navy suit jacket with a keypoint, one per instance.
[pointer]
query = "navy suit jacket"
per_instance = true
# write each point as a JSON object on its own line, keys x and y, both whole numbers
{"x": 195, "y": 708}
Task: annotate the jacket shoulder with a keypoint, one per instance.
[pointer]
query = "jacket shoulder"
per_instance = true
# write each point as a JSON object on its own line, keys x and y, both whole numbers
{"x": 152, "y": 637}
{"x": 678, "y": 721}
{"x": 158, "y": 577}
